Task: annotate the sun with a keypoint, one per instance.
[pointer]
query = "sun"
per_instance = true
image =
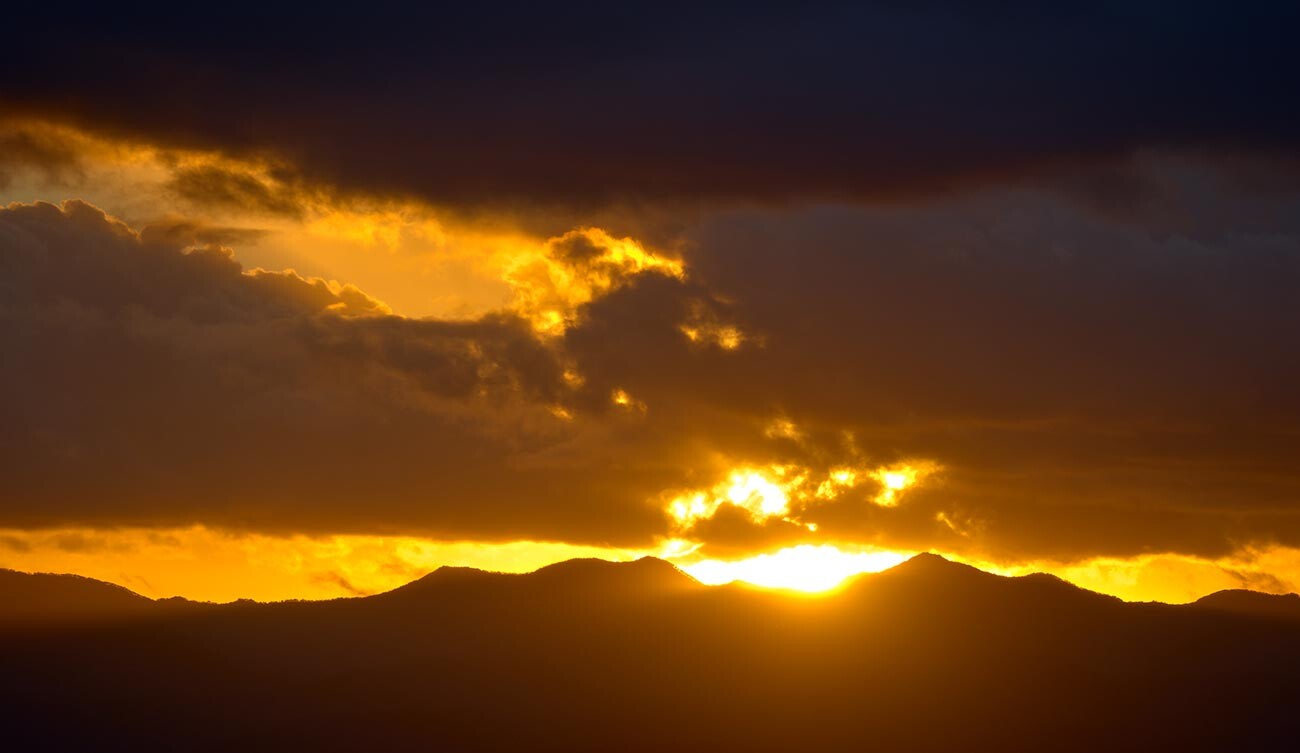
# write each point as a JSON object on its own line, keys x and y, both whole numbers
{"x": 807, "y": 567}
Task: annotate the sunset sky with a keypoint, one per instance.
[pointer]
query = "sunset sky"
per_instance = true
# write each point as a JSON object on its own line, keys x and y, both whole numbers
{"x": 305, "y": 305}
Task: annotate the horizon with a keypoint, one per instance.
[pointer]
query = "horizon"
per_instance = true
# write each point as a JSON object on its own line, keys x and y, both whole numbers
{"x": 818, "y": 586}
{"x": 638, "y": 656}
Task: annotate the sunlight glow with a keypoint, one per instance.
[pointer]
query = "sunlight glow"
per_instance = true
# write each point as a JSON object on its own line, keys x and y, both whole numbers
{"x": 704, "y": 326}
{"x": 419, "y": 259}
{"x": 807, "y": 567}
{"x": 783, "y": 428}
{"x": 622, "y": 399}
{"x": 201, "y": 563}
{"x": 785, "y": 491}
{"x": 553, "y": 281}
{"x": 726, "y": 337}
{"x": 210, "y": 564}
{"x": 764, "y": 493}
{"x": 893, "y": 480}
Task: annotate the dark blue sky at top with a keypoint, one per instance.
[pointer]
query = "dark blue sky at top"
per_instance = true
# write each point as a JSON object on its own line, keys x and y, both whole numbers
{"x": 595, "y": 103}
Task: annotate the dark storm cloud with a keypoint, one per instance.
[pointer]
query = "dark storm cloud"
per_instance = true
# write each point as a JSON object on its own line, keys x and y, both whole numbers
{"x": 588, "y": 105}
{"x": 1089, "y": 386}
{"x": 51, "y": 157}
{"x": 180, "y": 232}
{"x": 147, "y": 382}
{"x": 212, "y": 186}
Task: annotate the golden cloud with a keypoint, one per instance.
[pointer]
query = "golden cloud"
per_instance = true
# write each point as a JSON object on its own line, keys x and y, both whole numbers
{"x": 784, "y": 491}
{"x": 402, "y": 250}
{"x": 553, "y": 282}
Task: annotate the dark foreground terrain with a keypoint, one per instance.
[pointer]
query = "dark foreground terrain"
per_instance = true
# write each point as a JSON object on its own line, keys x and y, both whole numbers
{"x": 588, "y": 655}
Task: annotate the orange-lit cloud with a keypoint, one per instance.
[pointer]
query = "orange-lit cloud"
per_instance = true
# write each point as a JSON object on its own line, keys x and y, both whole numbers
{"x": 784, "y": 491}
{"x": 762, "y": 493}
{"x": 783, "y": 428}
{"x": 894, "y": 480}
{"x": 553, "y": 282}
{"x": 624, "y": 401}
{"x": 401, "y": 250}
{"x": 704, "y": 327}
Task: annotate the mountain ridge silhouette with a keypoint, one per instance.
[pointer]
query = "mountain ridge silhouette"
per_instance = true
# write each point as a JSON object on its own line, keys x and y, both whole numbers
{"x": 925, "y": 569}
{"x": 594, "y": 656}
{"x": 1256, "y": 603}
{"x": 580, "y": 572}
{"x": 59, "y": 596}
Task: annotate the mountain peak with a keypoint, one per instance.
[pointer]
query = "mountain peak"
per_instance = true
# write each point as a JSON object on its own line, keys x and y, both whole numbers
{"x": 444, "y": 577}
{"x": 929, "y": 564}
{"x": 641, "y": 573}
{"x": 928, "y": 559}
{"x": 1241, "y": 601}
{"x": 647, "y": 574}
{"x": 47, "y": 596}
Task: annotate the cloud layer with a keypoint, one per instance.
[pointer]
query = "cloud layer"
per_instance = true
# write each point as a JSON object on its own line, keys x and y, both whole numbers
{"x": 1014, "y": 376}
{"x": 151, "y": 380}
{"x": 576, "y": 105}
{"x": 1009, "y": 283}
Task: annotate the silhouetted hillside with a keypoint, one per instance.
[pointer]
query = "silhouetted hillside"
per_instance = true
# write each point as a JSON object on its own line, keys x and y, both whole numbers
{"x": 44, "y": 597}
{"x": 1253, "y": 603}
{"x": 588, "y": 655}
{"x": 587, "y": 578}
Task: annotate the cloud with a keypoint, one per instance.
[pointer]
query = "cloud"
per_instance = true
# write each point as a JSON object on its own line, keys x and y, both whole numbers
{"x": 231, "y": 189}
{"x": 1077, "y": 372}
{"x": 341, "y": 582}
{"x": 154, "y": 382}
{"x": 1088, "y": 385}
{"x": 52, "y": 157}
{"x": 569, "y": 271}
{"x": 1083, "y": 384}
{"x": 184, "y": 232}
{"x": 568, "y": 105}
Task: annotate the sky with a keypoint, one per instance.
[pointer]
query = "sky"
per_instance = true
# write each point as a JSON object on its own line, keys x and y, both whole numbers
{"x": 298, "y": 303}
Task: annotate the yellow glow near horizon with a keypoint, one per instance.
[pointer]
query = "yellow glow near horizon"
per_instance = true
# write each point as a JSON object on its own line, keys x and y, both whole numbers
{"x": 205, "y": 564}
{"x": 806, "y": 567}
{"x": 211, "y": 565}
